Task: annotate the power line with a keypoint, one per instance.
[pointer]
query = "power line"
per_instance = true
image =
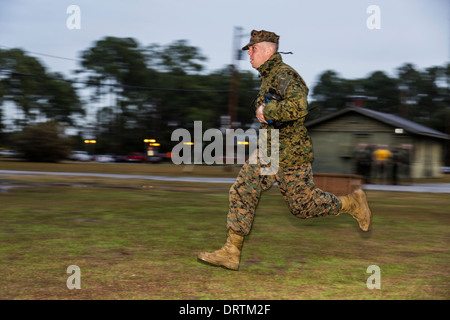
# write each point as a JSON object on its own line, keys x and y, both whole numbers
{"x": 43, "y": 54}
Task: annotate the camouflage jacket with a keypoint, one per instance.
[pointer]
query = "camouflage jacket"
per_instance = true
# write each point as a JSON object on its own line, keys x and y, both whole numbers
{"x": 295, "y": 144}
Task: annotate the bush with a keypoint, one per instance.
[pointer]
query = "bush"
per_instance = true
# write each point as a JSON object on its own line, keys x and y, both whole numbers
{"x": 43, "y": 142}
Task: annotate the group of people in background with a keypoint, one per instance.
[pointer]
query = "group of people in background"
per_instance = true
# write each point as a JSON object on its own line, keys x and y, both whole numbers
{"x": 382, "y": 164}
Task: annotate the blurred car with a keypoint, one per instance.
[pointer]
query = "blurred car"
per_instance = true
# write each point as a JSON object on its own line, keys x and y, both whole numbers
{"x": 155, "y": 159}
{"x": 119, "y": 158}
{"x": 80, "y": 156}
{"x": 445, "y": 170}
{"x": 136, "y": 157}
{"x": 8, "y": 153}
{"x": 105, "y": 158}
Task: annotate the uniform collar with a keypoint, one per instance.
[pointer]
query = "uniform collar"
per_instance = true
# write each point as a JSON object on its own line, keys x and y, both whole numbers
{"x": 267, "y": 66}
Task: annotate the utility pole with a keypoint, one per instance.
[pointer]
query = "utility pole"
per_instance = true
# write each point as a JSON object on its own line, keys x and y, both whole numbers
{"x": 234, "y": 77}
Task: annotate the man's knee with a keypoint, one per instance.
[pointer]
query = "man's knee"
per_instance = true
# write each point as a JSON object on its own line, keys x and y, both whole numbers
{"x": 300, "y": 202}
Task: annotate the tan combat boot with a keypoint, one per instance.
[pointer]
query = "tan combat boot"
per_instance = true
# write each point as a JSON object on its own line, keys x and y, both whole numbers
{"x": 228, "y": 256}
{"x": 356, "y": 205}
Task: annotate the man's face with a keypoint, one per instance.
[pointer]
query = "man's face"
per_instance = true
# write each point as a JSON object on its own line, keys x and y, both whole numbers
{"x": 259, "y": 53}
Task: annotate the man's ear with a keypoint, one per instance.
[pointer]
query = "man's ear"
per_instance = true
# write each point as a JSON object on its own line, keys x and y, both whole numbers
{"x": 269, "y": 51}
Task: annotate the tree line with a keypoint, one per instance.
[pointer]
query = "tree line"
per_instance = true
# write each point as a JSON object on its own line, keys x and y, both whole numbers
{"x": 123, "y": 92}
{"x": 422, "y": 96}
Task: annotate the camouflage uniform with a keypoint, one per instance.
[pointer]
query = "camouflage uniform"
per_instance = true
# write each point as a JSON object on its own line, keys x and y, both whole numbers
{"x": 294, "y": 176}
{"x": 287, "y": 111}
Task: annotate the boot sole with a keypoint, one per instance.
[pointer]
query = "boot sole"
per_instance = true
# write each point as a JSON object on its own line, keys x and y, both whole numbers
{"x": 365, "y": 210}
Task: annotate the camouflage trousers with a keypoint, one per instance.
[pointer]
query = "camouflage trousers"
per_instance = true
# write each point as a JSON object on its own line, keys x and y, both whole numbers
{"x": 296, "y": 185}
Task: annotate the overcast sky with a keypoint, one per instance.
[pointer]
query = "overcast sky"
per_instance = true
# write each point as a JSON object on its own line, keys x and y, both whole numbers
{"x": 322, "y": 34}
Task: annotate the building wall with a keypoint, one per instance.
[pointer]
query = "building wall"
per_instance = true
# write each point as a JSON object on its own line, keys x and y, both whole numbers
{"x": 335, "y": 141}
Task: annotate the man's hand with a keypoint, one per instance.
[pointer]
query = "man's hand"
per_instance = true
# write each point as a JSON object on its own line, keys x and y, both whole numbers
{"x": 260, "y": 114}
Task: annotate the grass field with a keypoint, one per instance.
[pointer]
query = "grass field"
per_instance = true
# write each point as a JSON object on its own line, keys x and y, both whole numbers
{"x": 138, "y": 239}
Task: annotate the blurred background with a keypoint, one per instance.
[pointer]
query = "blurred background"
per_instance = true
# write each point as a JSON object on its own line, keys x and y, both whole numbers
{"x": 111, "y": 80}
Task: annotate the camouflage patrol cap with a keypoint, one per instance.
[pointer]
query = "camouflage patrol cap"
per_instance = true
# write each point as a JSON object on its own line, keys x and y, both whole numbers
{"x": 261, "y": 36}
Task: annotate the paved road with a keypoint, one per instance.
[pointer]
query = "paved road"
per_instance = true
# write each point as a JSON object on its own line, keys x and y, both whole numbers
{"x": 422, "y": 187}
{"x": 123, "y": 176}
{"x": 419, "y": 187}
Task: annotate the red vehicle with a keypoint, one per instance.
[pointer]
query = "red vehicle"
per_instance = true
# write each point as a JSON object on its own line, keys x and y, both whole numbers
{"x": 136, "y": 157}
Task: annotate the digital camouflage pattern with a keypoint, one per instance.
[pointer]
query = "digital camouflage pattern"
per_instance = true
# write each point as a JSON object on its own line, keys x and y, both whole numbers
{"x": 296, "y": 185}
{"x": 294, "y": 175}
{"x": 261, "y": 36}
{"x": 295, "y": 147}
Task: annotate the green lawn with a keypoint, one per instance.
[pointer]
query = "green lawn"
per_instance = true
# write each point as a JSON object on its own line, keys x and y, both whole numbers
{"x": 136, "y": 239}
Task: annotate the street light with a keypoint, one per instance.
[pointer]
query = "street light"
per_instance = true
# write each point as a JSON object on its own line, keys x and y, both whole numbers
{"x": 152, "y": 148}
{"x": 90, "y": 142}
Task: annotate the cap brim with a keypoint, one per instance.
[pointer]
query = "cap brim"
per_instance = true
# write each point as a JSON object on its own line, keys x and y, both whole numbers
{"x": 248, "y": 45}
